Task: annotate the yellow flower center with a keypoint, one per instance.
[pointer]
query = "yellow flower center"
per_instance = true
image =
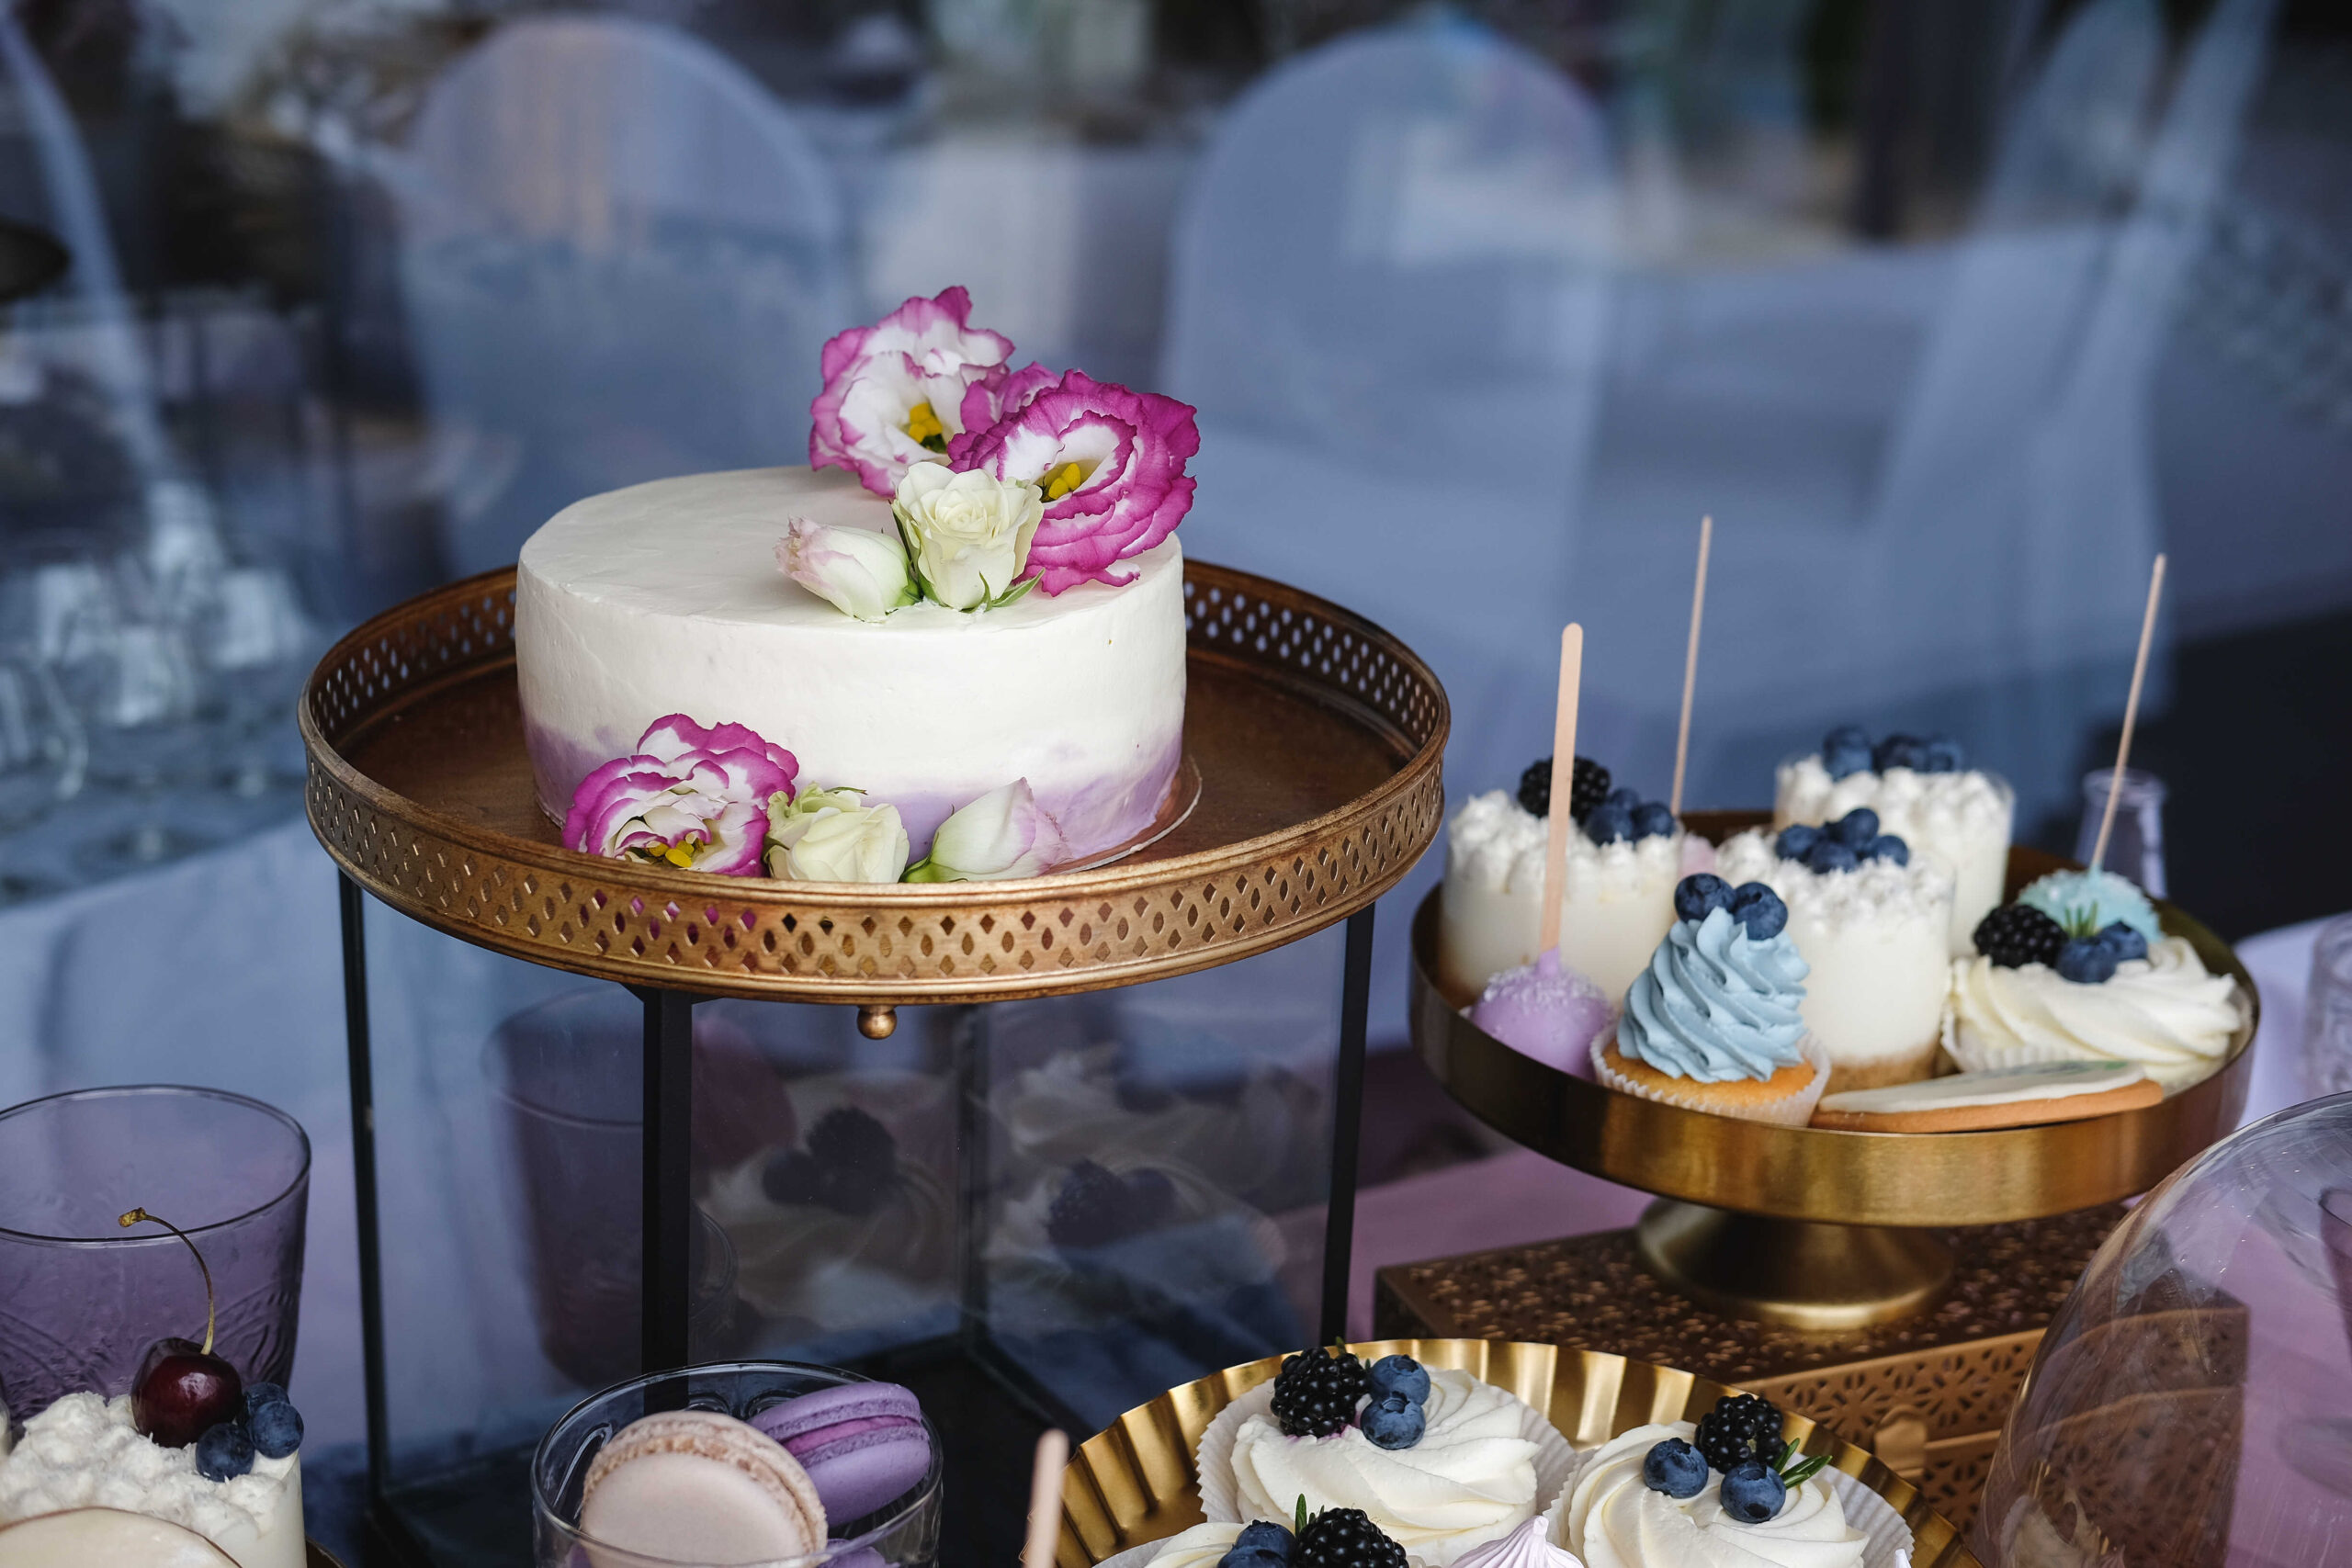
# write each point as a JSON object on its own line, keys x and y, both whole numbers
{"x": 680, "y": 854}
{"x": 1060, "y": 482}
{"x": 924, "y": 429}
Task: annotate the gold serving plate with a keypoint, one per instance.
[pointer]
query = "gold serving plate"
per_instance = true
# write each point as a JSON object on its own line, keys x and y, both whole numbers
{"x": 1803, "y": 1226}
{"x": 1310, "y": 785}
{"x": 1134, "y": 1481}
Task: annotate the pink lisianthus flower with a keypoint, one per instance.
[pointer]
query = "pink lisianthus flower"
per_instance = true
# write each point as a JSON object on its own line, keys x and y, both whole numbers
{"x": 1110, "y": 463}
{"x": 692, "y": 796}
{"x": 894, "y": 393}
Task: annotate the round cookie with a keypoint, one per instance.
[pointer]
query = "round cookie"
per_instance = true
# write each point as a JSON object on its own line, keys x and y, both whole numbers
{"x": 2007, "y": 1097}
{"x": 693, "y": 1486}
{"x": 863, "y": 1444}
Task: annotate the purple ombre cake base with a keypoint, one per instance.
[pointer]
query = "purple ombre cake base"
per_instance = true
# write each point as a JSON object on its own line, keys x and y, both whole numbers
{"x": 1094, "y": 813}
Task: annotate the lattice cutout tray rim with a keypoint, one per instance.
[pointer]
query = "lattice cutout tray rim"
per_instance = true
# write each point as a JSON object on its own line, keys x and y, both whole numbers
{"x": 419, "y": 787}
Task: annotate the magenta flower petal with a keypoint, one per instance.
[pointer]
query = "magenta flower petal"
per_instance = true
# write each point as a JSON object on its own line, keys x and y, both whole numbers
{"x": 677, "y": 736}
{"x": 989, "y": 403}
{"x": 1129, "y": 448}
{"x": 693, "y": 796}
{"x": 925, "y": 352}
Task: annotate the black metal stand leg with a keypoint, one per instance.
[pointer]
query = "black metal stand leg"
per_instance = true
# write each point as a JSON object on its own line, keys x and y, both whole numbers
{"x": 668, "y": 1211}
{"x": 1347, "y": 1126}
{"x": 968, "y": 1041}
{"x": 363, "y": 1180}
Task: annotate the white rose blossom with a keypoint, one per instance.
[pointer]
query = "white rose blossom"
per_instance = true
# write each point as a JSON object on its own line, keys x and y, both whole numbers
{"x": 967, "y": 534}
{"x": 858, "y": 571}
{"x": 827, "y": 836}
{"x": 1003, "y": 834}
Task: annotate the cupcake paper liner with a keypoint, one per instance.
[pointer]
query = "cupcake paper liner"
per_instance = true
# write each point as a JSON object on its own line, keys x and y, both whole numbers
{"x": 1886, "y": 1540}
{"x": 1793, "y": 1112}
{"x": 1555, "y": 1458}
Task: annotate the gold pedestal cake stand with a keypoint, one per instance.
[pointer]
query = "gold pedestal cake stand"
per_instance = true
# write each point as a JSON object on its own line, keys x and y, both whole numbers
{"x": 1895, "y": 1284}
{"x": 1311, "y": 785}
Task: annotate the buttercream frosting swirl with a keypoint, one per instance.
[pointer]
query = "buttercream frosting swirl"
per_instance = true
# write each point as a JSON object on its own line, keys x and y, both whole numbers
{"x": 1200, "y": 1547}
{"x": 1715, "y": 1004}
{"x": 1526, "y": 1546}
{"x": 2163, "y": 1011}
{"x": 1469, "y": 1480}
{"x": 1614, "y": 1521}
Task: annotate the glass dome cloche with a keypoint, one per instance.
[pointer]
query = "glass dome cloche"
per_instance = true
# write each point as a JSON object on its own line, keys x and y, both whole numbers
{"x": 2191, "y": 1404}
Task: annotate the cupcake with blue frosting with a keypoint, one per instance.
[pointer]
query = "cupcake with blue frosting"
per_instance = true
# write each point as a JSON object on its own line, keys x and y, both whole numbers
{"x": 1715, "y": 1022}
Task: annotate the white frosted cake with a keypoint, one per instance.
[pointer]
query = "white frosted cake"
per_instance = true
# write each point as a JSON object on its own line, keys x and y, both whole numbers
{"x": 665, "y": 598}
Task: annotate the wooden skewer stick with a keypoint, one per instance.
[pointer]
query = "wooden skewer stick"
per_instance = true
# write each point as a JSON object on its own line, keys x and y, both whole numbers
{"x": 1691, "y": 663}
{"x": 2130, "y": 713}
{"x": 1046, "y": 1498}
{"x": 1564, "y": 776}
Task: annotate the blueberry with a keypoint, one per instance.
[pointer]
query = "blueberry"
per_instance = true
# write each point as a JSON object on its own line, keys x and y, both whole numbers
{"x": 1829, "y": 855}
{"x": 260, "y": 1393}
{"x": 1626, "y": 796}
{"x": 1845, "y": 750}
{"x": 1399, "y": 1374}
{"x": 1393, "y": 1421}
{"x": 224, "y": 1453}
{"x": 2087, "y": 960}
{"x": 1856, "y": 829}
{"x": 1942, "y": 755}
{"x": 1759, "y": 908}
{"x": 277, "y": 1430}
{"x": 2124, "y": 941}
{"x": 1794, "y": 842}
{"x": 1264, "y": 1536}
{"x": 1898, "y": 751}
{"x": 1674, "y": 1467}
{"x": 1653, "y": 820}
{"x": 1886, "y": 846}
{"x": 1753, "y": 1493}
{"x": 1698, "y": 893}
{"x": 1252, "y": 1557}
{"x": 1609, "y": 823}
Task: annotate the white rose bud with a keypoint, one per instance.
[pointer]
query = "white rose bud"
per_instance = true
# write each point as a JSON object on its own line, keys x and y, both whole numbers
{"x": 1000, "y": 835}
{"x": 968, "y": 534}
{"x": 825, "y": 836}
{"x": 858, "y": 571}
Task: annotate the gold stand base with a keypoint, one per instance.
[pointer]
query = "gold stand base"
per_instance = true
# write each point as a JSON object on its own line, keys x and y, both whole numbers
{"x": 1796, "y": 1274}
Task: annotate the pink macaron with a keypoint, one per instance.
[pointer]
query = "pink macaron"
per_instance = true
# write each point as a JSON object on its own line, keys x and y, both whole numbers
{"x": 863, "y": 1444}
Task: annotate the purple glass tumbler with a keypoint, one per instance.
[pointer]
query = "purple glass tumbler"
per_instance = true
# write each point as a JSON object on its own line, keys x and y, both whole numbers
{"x": 84, "y": 1297}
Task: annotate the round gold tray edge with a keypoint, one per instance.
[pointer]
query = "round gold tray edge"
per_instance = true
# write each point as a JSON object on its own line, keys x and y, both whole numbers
{"x": 1133, "y": 1482}
{"x": 1412, "y": 794}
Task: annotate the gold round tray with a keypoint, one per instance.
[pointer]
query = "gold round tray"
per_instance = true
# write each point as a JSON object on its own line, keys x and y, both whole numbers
{"x": 1315, "y": 736}
{"x": 1839, "y": 1236}
{"x": 1133, "y": 1482}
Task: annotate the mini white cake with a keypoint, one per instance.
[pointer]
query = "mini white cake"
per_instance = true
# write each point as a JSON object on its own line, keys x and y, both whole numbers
{"x": 1617, "y": 907}
{"x": 1875, "y": 938}
{"x": 1959, "y": 819}
{"x": 666, "y": 598}
{"x": 84, "y": 1452}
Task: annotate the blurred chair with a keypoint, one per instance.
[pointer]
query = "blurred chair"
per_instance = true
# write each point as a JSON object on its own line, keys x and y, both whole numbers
{"x": 1388, "y": 303}
{"x": 621, "y": 257}
{"x": 1930, "y": 466}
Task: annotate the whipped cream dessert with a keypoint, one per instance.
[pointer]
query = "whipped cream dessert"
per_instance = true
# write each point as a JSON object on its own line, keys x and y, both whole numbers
{"x": 1529, "y": 1546}
{"x": 2164, "y": 1013}
{"x": 81, "y": 1537}
{"x": 1470, "y": 1479}
{"x": 665, "y": 598}
{"x": 82, "y": 1452}
{"x": 1071, "y": 1107}
{"x": 1611, "y": 1518}
{"x": 1876, "y": 940}
{"x": 1199, "y": 1547}
{"x": 1961, "y": 820}
{"x": 1618, "y": 901}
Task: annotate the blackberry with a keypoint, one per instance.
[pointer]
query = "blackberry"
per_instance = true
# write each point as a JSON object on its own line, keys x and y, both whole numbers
{"x": 1739, "y": 1428}
{"x": 1345, "y": 1537}
{"x": 1096, "y": 1207}
{"x": 2017, "y": 934}
{"x": 1316, "y": 1394}
{"x": 1588, "y": 787}
{"x": 855, "y": 1160}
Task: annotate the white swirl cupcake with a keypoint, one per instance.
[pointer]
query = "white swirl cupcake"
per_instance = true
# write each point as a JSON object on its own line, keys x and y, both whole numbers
{"x": 1483, "y": 1464}
{"x": 1612, "y": 1518}
{"x": 2165, "y": 1012}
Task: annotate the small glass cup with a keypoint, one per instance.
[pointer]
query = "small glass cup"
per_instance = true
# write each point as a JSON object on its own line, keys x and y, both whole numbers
{"x": 2327, "y": 1013}
{"x": 905, "y": 1534}
{"x": 81, "y": 1297}
{"x": 2135, "y": 850}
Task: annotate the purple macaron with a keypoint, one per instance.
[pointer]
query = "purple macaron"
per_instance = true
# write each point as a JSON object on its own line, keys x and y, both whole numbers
{"x": 863, "y": 1444}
